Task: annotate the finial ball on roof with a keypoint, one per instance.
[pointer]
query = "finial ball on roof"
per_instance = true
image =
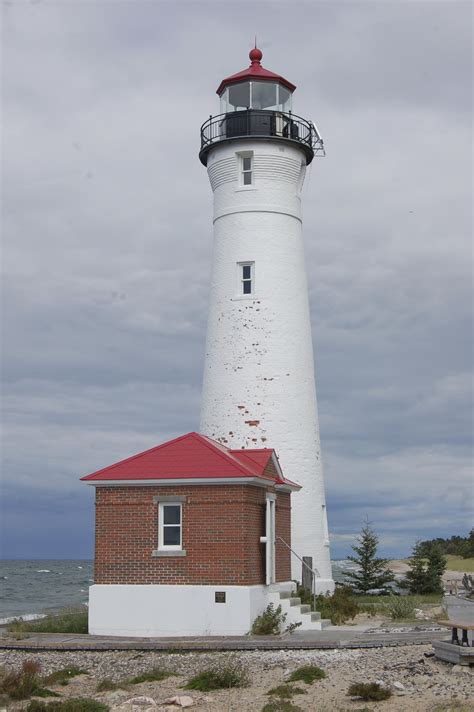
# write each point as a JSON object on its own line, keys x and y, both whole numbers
{"x": 255, "y": 55}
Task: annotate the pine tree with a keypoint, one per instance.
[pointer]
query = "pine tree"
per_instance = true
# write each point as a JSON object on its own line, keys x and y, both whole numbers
{"x": 427, "y": 566}
{"x": 372, "y": 571}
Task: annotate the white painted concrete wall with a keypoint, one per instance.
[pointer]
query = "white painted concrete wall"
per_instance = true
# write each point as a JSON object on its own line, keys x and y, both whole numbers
{"x": 259, "y": 354}
{"x": 174, "y": 611}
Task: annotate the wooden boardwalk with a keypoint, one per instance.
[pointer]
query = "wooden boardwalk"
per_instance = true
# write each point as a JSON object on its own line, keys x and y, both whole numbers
{"x": 304, "y": 640}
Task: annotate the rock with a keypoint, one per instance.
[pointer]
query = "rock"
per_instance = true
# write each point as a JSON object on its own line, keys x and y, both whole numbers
{"x": 114, "y": 696}
{"x": 460, "y": 670}
{"x": 139, "y": 701}
{"x": 398, "y": 686}
{"x": 179, "y": 701}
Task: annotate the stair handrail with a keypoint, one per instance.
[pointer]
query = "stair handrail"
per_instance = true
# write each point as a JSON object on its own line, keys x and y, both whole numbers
{"x": 314, "y": 571}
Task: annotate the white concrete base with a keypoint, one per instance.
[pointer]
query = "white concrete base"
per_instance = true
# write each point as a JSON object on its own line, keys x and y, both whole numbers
{"x": 173, "y": 611}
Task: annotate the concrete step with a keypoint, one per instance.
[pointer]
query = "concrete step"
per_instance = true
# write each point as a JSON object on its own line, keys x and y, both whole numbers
{"x": 286, "y": 594}
{"x": 305, "y": 608}
{"x": 294, "y": 601}
{"x": 315, "y": 616}
{"x": 325, "y": 623}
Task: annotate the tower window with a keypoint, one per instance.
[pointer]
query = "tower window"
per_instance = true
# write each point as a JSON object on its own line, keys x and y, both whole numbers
{"x": 246, "y": 277}
{"x": 246, "y": 170}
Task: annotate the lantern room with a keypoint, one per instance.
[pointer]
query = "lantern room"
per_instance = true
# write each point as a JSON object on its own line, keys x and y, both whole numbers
{"x": 257, "y": 103}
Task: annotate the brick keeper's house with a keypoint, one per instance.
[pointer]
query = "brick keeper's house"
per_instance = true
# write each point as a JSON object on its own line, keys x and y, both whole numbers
{"x": 192, "y": 538}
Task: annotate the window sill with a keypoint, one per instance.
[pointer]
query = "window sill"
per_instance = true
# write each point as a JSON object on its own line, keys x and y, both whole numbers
{"x": 169, "y": 552}
{"x": 245, "y": 188}
{"x": 244, "y": 297}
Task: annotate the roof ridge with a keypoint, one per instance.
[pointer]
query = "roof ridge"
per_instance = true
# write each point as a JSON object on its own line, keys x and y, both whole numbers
{"x": 140, "y": 454}
{"x": 208, "y": 442}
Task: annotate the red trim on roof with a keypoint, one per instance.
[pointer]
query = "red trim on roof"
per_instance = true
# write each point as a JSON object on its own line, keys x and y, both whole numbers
{"x": 190, "y": 456}
{"x": 255, "y": 71}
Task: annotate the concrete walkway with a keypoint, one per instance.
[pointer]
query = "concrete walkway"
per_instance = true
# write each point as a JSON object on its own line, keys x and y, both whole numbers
{"x": 335, "y": 637}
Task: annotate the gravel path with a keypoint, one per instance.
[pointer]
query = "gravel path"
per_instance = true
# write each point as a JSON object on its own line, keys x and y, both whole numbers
{"x": 421, "y": 682}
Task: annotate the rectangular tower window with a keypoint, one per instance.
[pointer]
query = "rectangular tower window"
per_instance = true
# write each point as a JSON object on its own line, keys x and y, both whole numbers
{"x": 246, "y": 277}
{"x": 170, "y": 526}
{"x": 246, "y": 170}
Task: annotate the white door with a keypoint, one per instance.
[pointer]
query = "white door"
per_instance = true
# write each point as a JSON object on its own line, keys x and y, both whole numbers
{"x": 269, "y": 539}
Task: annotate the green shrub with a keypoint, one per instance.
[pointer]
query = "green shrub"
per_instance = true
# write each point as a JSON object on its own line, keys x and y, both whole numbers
{"x": 369, "y": 691}
{"x": 281, "y": 706}
{"x": 286, "y": 691}
{"x": 62, "y": 677}
{"x": 339, "y": 607}
{"x": 70, "y": 620}
{"x": 154, "y": 675}
{"x": 229, "y": 674}
{"x": 401, "y": 607}
{"x": 74, "y": 704}
{"x": 270, "y": 622}
{"x": 24, "y": 683}
{"x": 308, "y": 674}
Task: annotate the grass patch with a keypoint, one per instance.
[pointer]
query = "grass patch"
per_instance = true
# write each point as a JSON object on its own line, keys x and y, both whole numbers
{"x": 107, "y": 685}
{"x": 308, "y": 674}
{"x": 281, "y": 706}
{"x": 457, "y": 563}
{"x": 74, "y": 704}
{"x": 62, "y": 677}
{"x": 24, "y": 683}
{"x": 369, "y": 691}
{"x": 227, "y": 675}
{"x": 70, "y": 620}
{"x": 420, "y": 599}
{"x": 155, "y": 675}
{"x": 286, "y": 691}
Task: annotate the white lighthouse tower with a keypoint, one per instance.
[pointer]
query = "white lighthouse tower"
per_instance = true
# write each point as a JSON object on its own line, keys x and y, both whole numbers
{"x": 259, "y": 386}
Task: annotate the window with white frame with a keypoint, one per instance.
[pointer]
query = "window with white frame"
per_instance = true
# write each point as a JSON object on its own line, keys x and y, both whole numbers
{"x": 247, "y": 280}
{"x": 170, "y": 526}
{"x": 246, "y": 170}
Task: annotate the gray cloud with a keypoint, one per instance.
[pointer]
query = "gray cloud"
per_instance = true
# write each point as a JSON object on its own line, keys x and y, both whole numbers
{"x": 108, "y": 239}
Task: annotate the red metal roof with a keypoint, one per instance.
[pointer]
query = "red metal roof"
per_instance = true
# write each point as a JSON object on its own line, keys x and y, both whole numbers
{"x": 255, "y": 72}
{"x": 191, "y": 456}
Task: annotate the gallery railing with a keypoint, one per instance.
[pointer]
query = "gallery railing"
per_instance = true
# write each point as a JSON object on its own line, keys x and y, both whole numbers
{"x": 257, "y": 123}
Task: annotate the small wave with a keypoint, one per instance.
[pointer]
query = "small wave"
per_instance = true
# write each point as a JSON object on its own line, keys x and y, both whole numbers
{"x": 80, "y": 567}
{"x": 26, "y": 617}
{"x": 43, "y": 571}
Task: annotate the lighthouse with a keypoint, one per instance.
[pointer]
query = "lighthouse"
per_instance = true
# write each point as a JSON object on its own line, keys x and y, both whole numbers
{"x": 259, "y": 383}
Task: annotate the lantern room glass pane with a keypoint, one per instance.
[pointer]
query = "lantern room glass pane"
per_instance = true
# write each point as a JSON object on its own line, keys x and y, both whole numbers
{"x": 239, "y": 96}
{"x": 264, "y": 96}
{"x": 284, "y": 99}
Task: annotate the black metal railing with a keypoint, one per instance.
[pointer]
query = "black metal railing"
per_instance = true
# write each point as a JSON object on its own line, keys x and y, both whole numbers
{"x": 257, "y": 123}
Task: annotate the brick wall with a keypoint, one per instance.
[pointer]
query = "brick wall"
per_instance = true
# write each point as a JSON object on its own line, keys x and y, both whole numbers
{"x": 222, "y": 526}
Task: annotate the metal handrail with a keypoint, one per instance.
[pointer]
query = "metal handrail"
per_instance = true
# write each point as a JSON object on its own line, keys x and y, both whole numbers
{"x": 314, "y": 571}
{"x": 261, "y": 123}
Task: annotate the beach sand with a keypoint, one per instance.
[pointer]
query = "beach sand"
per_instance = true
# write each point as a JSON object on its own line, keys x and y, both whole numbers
{"x": 424, "y": 682}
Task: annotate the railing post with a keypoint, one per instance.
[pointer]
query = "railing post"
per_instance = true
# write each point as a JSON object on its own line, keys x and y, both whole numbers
{"x": 307, "y": 573}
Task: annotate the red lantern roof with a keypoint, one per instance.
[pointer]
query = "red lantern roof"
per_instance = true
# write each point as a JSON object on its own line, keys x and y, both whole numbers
{"x": 255, "y": 72}
{"x": 194, "y": 457}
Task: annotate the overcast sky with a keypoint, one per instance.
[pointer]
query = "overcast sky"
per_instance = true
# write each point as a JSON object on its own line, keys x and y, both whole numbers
{"x": 107, "y": 240}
